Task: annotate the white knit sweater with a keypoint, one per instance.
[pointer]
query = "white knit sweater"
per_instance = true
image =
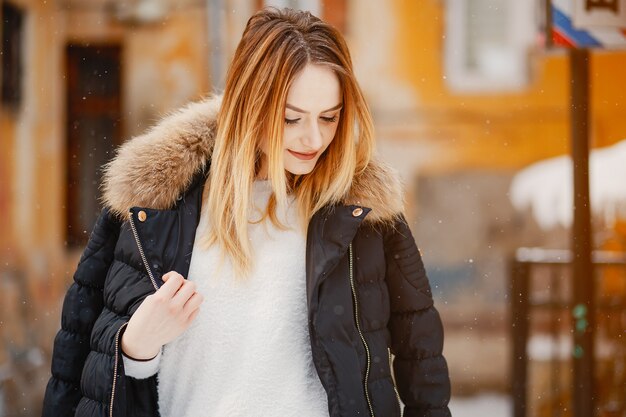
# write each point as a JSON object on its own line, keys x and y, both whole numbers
{"x": 247, "y": 353}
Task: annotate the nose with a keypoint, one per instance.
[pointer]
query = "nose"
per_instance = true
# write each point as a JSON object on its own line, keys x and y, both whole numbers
{"x": 313, "y": 137}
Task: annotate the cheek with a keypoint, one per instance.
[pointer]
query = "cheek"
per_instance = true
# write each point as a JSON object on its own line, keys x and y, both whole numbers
{"x": 329, "y": 134}
{"x": 290, "y": 136}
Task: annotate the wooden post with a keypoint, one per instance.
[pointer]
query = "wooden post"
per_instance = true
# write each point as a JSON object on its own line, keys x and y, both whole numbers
{"x": 520, "y": 276}
{"x": 583, "y": 390}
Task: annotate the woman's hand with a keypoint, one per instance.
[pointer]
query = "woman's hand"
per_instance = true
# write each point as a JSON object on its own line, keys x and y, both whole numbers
{"x": 161, "y": 317}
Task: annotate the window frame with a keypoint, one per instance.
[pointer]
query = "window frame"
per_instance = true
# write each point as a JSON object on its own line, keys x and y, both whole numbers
{"x": 521, "y": 34}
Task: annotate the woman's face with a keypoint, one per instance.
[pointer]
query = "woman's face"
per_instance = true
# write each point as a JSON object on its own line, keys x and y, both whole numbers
{"x": 312, "y": 115}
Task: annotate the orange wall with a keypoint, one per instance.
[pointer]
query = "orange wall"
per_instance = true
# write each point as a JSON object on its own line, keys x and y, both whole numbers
{"x": 6, "y": 166}
{"x": 163, "y": 66}
{"x": 30, "y": 138}
{"x": 507, "y": 130}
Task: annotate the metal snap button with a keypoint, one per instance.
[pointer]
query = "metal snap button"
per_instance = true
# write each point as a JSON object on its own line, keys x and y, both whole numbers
{"x": 142, "y": 216}
{"x": 357, "y": 212}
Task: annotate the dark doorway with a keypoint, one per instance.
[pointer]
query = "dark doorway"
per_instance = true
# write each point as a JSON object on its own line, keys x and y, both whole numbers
{"x": 93, "y": 130}
{"x": 12, "y": 51}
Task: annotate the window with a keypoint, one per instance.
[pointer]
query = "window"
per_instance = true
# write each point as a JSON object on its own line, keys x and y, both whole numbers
{"x": 313, "y": 6}
{"x": 486, "y": 44}
{"x": 12, "y": 22}
{"x": 331, "y": 11}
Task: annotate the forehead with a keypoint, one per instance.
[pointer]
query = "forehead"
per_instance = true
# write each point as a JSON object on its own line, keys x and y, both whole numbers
{"x": 314, "y": 89}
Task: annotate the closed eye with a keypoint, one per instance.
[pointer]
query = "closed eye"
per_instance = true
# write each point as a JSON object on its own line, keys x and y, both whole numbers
{"x": 330, "y": 119}
{"x": 291, "y": 121}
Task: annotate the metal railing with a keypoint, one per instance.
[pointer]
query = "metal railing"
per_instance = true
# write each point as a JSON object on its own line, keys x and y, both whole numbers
{"x": 542, "y": 329}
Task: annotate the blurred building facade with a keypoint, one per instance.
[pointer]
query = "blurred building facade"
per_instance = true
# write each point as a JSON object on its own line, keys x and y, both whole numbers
{"x": 461, "y": 94}
{"x": 83, "y": 76}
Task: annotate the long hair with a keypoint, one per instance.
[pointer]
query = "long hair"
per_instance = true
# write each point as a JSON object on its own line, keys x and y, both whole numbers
{"x": 276, "y": 45}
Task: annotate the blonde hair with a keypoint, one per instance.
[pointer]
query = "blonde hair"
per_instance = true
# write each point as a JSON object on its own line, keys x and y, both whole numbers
{"x": 276, "y": 45}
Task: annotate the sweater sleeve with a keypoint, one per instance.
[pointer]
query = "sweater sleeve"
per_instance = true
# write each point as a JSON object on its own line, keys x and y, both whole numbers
{"x": 141, "y": 369}
{"x": 416, "y": 330}
{"x": 82, "y": 305}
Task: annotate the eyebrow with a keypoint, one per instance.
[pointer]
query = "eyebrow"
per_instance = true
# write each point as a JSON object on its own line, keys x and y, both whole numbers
{"x": 299, "y": 110}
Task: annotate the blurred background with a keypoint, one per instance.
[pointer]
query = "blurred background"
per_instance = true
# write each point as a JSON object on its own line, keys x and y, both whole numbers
{"x": 471, "y": 105}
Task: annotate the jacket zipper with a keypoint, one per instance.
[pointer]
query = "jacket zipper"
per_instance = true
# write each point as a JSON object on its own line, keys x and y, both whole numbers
{"x": 393, "y": 379}
{"x": 358, "y": 327}
{"x": 117, "y": 337}
{"x": 141, "y": 252}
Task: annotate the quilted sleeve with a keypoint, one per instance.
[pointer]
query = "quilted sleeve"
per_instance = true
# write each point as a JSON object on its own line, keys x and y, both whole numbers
{"x": 420, "y": 370}
{"x": 82, "y": 304}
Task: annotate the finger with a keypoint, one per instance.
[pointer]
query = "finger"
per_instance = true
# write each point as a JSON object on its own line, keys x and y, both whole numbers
{"x": 184, "y": 293}
{"x": 193, "y": 315}
{"x": 174, "y": 282}
{"x": 193, "y": 303}
{"x": 166, "y": 276}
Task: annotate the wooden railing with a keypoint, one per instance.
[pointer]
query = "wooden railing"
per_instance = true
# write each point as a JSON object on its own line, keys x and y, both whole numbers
{"x": 543, "y": 321}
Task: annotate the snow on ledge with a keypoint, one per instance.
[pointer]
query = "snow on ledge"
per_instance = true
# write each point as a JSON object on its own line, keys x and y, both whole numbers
{"x": 546, "y": 187}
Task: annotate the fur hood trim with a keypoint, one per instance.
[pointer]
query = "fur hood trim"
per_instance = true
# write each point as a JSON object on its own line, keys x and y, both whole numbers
{"x": 153, "y": 169}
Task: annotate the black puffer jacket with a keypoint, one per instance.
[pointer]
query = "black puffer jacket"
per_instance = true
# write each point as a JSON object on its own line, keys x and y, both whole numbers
{"x": 360, "y": 254}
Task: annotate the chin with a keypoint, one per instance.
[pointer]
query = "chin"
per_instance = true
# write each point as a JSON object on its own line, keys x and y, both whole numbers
{"x": 300, "y": 170}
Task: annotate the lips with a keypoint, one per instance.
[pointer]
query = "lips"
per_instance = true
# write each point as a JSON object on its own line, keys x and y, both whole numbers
{"x": 303, "y": 156}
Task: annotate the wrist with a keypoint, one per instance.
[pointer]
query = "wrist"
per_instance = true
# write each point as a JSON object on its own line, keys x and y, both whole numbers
{"x": 132, "y": 358}
{"x": 138, "y": 351}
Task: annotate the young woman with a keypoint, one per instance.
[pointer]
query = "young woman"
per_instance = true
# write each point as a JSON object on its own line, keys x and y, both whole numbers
{"x": 252, "y": 258}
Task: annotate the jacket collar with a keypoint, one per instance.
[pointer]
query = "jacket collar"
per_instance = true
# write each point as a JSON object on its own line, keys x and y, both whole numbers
{"x": 329, "y": 235}
{"x": 155, "y": 168}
